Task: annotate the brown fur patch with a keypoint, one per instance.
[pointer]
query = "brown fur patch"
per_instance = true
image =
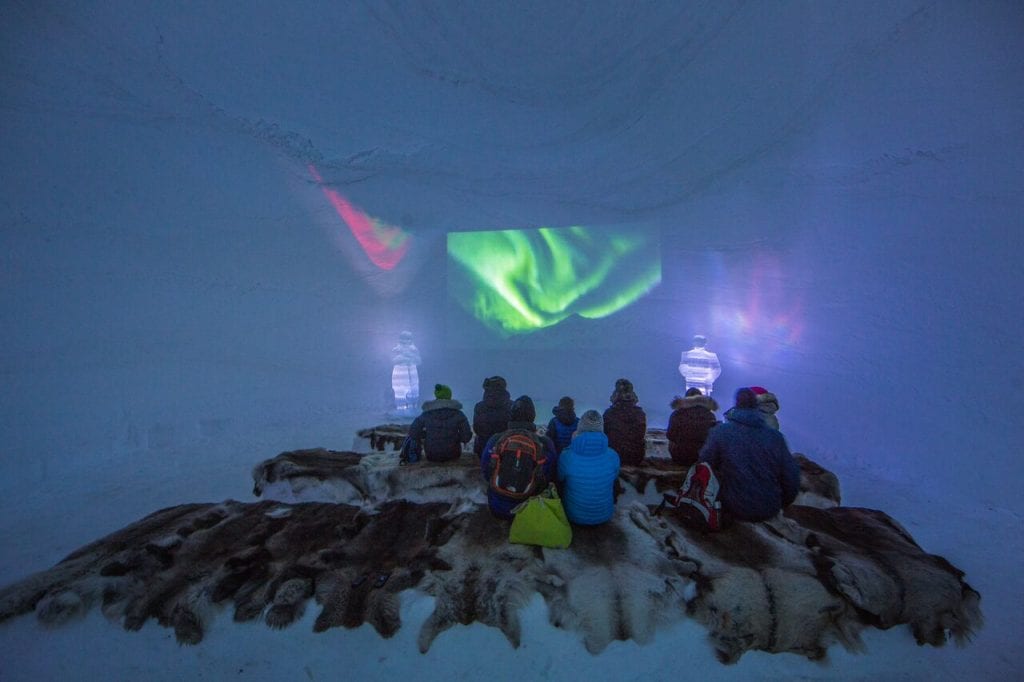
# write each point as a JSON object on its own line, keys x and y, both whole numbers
{"x": 795, "y": 583}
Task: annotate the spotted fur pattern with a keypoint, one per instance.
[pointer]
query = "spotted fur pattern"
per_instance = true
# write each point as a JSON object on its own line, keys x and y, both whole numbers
{"x": 796, "y": 583}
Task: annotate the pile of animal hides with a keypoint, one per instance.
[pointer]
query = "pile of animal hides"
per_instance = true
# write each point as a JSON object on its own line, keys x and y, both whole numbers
{"x": 353, "y": 532}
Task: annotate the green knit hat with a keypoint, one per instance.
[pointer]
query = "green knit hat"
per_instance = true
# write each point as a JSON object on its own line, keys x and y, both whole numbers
{"x": 442, "y": 392}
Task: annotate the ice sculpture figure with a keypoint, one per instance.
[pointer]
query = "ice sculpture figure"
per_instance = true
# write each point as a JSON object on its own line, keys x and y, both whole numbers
{"x": 405, "y": 379}
{"x": 699, "y": 366}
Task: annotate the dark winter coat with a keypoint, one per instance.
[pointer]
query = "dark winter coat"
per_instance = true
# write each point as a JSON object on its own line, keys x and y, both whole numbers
{"x": 688, "y": 427}
{"x": 757, "y": 474}
{"x": 441, "y": 430}
{"x": 625, "y": 424}
{"x": 587, "y": 470}
{"x": 491, "y": 415}
{"x": 501, "y": 505}
{"x": 562, "y": 426}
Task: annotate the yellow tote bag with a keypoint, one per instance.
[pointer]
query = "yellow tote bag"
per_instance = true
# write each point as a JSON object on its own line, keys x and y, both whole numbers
{"x": 541, "y": 520}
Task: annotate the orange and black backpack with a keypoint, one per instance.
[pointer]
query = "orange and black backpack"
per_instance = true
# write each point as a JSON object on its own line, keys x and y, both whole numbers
{"x": 516, "y": 468}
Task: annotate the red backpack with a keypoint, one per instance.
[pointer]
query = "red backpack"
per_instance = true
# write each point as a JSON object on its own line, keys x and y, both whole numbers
{"x": 516, "y": 468}
{"x": 697, "y": 500}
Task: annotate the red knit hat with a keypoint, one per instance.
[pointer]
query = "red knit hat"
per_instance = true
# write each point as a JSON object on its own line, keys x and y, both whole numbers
{"x": 758, "y": 390}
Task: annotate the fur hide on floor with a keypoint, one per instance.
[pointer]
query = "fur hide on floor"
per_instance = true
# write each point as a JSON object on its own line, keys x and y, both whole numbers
{"x": 384, "y": 437}
{"x": 330, "y": 476}
{"x": 796, "y": 583}
{"x": 366, "y": 481}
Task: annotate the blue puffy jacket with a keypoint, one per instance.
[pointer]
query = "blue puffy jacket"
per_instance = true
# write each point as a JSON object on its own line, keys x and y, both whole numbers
{"x": 500, "y": 505}
{"x": 588, "y": 469}
{"x": 757, "y": 474}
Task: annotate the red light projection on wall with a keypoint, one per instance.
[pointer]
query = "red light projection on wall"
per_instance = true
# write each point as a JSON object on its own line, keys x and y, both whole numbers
{"x": 384, "y": 244}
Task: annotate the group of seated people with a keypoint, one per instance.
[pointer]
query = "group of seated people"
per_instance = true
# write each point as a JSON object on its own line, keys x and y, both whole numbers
{"x": 582, "y": 454}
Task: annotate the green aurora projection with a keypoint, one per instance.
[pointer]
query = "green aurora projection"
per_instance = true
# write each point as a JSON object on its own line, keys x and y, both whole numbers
{"x": 518, "y": 281}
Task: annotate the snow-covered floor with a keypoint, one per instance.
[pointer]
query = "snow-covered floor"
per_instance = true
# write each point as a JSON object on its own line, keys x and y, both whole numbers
{"x": 62, "y": 513}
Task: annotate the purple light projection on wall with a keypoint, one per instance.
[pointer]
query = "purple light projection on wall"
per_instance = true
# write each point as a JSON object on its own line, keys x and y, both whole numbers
{"x": 755, "y": 311}
{"x": 385, "y": 245}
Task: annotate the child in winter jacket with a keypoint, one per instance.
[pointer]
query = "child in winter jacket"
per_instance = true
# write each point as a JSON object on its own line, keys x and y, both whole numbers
{"x": 563, "y": 425}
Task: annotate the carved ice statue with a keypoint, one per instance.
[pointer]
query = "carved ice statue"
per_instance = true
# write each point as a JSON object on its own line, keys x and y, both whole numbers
{"x": 699, "y": 366}
{"x": 405, "y": 379}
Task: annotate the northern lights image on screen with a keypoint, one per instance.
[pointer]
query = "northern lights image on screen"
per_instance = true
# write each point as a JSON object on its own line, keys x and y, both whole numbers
{"x": 519, "y": 281}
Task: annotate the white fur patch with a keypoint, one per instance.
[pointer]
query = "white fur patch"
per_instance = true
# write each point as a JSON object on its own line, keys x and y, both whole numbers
{"x": 796, "y": 583}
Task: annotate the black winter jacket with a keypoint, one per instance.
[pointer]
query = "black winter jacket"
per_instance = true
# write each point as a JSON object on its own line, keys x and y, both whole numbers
{"x": 441, "y": 430}
{"x": 491, "y": 416}
{"x": 688, "y": 427}
{"x": 625, "y": 424}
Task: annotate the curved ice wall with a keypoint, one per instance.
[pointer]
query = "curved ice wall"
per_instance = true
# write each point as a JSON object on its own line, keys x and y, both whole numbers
{"x": 197, "y": 207}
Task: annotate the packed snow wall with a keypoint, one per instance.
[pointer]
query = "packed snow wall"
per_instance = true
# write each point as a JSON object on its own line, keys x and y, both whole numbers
{"x": 215, "y": 227}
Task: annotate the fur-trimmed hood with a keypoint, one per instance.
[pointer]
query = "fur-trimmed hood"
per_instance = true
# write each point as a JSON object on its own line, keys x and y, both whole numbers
{"x": 747, "y": 416}
{"x": 441, "y": 403}
{"x": 623, "y": 393}
{"x": 624, "y": 397}
{"x": 683, "y": 403}
{"x": 768, "y": 403}
{"x": 496, "y": 396}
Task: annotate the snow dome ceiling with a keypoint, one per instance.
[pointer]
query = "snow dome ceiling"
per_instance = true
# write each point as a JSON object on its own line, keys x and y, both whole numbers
{"x": 466, "y": 116}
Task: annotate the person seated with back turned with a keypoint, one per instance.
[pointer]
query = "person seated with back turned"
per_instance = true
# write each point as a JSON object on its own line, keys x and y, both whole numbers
{"x": 503, "y": 460}
{"x": 442, "y": 428}
{"x": 692, "y": 418}
{"x": 756, "y": 473}
{"x": 625, "y": 424}
{"x": 587, "y": 470}
{"x": 563, "y": 425}
{"x": 491, "y": 415}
